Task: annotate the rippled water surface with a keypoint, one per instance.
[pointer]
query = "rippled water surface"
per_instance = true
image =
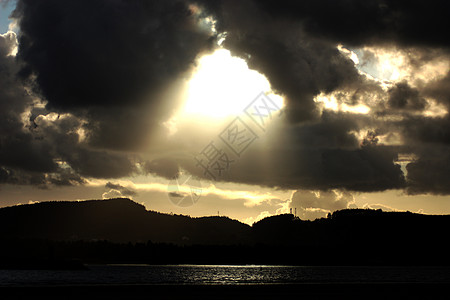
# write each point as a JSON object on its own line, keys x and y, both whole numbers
{"x": 213, "y": 274}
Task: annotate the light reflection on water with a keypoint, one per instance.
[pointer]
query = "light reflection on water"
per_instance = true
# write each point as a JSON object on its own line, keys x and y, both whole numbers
{"x": 218, "y": 274}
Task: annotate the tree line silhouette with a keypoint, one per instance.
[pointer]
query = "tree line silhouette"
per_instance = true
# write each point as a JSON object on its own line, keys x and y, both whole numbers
{"x": 122, "y": 231}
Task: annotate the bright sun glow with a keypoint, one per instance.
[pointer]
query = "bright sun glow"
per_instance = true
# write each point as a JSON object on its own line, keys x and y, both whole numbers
{"x": 223, "y": 86}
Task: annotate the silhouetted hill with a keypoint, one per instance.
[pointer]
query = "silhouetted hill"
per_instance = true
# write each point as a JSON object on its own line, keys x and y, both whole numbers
{"x": 119, "y": 220}
{"x": 91, "y": 231}
{"x": 364, "y": 235}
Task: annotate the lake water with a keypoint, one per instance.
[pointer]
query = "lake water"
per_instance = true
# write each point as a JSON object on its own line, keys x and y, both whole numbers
{"x": 223, "y": 275}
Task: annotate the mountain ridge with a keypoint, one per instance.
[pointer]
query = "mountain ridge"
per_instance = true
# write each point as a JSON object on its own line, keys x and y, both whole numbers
{"x": 118, "y": 220}
{"x": 120, "y": 230}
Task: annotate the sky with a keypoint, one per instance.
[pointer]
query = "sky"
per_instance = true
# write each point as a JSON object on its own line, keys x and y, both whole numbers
{"x": 239, "y": 108}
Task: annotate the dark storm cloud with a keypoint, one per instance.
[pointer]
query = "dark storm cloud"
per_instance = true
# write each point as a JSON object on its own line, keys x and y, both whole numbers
{"x": 89, "y": 53}
{"x": 322, "y": 155}
{"x": 61, "y": 134}
{"x": 24, "y": 152}
{"x": 404, "y": 97}
{"x": 425, "y": 130}
{"x": 16, "y": 176}
{"x": 298, "y": 70}
{"x": 430, "y": 173}
{"x": 429, "y": 139}
{"x": 110, "y": 62}
{"x": 65, "y": 177}
{"x": 294, "y": 44}
{"x": 332, "y": 131}
{"x": 18, "y": 148}
{"x": 164, "y": 167}
{"x": 30, "y": 144}
{"x": 120, "y": 129}
{"x": 100, "y": 164}
{"x": 298, "y": 66}
{"x": 440, "y": 90}
{"x": 354, "y": 22}
{"x": 104, "y": 68}
{"x": 368, "y": 169}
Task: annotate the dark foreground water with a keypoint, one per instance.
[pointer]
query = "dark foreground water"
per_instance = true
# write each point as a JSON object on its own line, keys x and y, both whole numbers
{"x": 224, "y": 275}
{"x": 228, "y": 282}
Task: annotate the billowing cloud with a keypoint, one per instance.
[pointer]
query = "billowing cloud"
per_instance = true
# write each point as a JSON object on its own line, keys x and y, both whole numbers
{"x": 18, "y": 148}
{"x": 383, "y": 207}
{"x": 403, "y": 97}
{"x": 88, "y": 92}
{"x": 298, "y": 68}
{"x": 117, "y": 191}
{"x": 38, "y": 147}
{"x": 325, "y": 154}
{"x": 105, "y": 53}
{"x": 295, "y": 44}
{"x": 430, "y": 173}
{"x": 440, "y": 90}
{"x": 311, "y": 205}
{"x": 114, "y": 67}
{"x": 164, "y": 167}
{"x": 368, "y": 22}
